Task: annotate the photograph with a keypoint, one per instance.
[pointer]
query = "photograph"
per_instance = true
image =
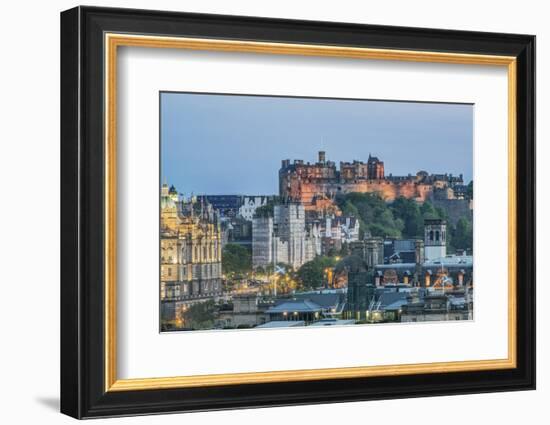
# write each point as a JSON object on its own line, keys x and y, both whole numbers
{"x": 282, "y": 210}
{"x": 279, "y": 212}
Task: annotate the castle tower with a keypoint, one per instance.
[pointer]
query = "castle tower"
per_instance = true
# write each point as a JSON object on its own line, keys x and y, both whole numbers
{"x": 375, "y": 168}
{"x": 322, "y": 157}
{"x": 361, "y": 290}
{"x": 435, "y": 239}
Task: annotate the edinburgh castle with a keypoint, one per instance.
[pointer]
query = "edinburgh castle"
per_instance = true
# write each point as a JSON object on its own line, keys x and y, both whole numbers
{"x": 315, "y": 185}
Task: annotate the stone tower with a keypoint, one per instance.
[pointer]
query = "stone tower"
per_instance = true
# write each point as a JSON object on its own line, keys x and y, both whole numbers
{"x": 371, "y": 250}
{"x": 375, "y": 168}
{"x": 289, "y": 220}
{"x": 435, "y": 239}
{"x": 361, "y": 289}
{"x": 418, "y": 260}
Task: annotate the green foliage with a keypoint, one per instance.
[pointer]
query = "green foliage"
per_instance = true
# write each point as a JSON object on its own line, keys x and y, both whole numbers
{"x": 332, "y": 252}
{"x": 236, "y": 259}
{"x": 342, "y": 252}
{"x": 269, "y": 269}
{"x": 374, "y": 215}
{"x": 200, "y": 315}
{"x": 345, "y": 250}
{"x": 312, "y": 274}
{"x": 414, "y": 214}
{"x": 408, "y": 211}
{"x": 462, "y": 234}
{"x": 404, "y": 218}
{"x": 428, "y": 211}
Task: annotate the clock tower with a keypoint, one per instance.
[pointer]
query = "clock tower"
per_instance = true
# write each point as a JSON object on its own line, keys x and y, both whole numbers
{"x": 435, "y": 239}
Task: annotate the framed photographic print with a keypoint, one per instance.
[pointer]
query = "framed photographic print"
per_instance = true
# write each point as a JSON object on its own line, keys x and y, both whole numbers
{"x": 261, "y": 212}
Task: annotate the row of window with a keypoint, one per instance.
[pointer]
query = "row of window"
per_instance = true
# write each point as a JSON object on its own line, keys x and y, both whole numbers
{"x": 434, "y": 235}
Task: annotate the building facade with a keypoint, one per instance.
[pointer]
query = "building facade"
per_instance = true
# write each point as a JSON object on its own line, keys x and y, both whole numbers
{"x": 190, "y": 252}
{"x": 336, "y": 231}
{"x": 284, "y": 238}
{"x": 232, "y": 206}
{"x": 438, "y": 306}
{"x": 416, "y": 262}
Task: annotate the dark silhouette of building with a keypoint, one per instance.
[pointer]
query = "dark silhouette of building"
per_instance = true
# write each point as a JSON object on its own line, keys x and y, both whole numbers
{"x": 361, "y": 290}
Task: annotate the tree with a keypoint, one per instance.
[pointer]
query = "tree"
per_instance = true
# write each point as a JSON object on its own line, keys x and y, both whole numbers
{"x": 348, "y": 208}
{"x": 403, "y": 218}
{"x": 332, "y": 252}
{"x": 408, "y": 211}
{"x": 462, "y": 237}
{"x": 345, "y": 250}
{"x": 428, "y": 211}
{"x": 236, "y": 259}
{"x": 441, "y": 213}
{"x": 374, "y": 215}
{"x": 313, "y": 273}
{"x": 200, "y": 315}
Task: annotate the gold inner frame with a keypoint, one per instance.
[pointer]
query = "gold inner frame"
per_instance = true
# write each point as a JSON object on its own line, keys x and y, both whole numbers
{"x": 113, "y": 41}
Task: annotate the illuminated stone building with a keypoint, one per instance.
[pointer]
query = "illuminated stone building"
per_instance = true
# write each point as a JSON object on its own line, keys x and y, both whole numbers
{"x": 311, "y": 183}
{"x": 416, "y": 262}
{"x": 190, "y": 252}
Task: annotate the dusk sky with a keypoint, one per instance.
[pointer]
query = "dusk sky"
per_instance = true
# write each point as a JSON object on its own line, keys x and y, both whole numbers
{"x": 220, "y": 144}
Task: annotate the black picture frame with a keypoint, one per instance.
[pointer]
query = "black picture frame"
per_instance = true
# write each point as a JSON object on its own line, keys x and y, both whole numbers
{"x": 83, "y": 392}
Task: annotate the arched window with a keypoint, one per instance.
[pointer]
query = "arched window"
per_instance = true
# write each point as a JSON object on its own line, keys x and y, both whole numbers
{"x": 431, "y": 235}
{"x": 437, "y": 235}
